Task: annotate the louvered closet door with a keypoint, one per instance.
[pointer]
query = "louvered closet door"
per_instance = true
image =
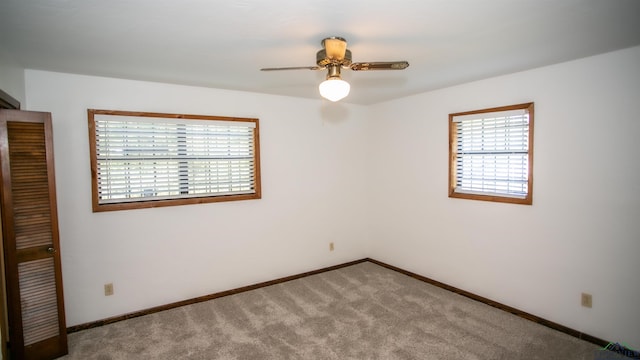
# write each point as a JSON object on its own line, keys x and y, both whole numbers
{"x": 37, "y": 327}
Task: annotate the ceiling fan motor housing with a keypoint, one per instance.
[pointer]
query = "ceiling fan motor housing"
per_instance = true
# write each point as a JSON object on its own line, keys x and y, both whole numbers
{"x": 334, "y": 52}
{"x": 323, "y": 60}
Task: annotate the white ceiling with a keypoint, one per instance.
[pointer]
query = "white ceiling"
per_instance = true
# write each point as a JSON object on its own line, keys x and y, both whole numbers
{"x": 223, "y": 44}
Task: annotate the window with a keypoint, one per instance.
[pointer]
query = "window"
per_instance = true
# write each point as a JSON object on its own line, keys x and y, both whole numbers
{"x": 142, "y": 160}
{"x": 491, "y": 154}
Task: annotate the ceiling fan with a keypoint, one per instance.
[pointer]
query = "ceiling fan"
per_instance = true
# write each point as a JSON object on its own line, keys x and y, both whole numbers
{"x": 335, "y": 56}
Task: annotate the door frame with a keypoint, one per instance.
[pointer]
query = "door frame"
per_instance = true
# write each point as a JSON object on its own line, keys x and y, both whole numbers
{"x": 6, "y": 102}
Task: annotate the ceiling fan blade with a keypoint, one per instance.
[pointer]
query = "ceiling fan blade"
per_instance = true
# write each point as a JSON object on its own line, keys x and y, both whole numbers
{"x": 385, "y": 65}
{"x": 293, "y": 68}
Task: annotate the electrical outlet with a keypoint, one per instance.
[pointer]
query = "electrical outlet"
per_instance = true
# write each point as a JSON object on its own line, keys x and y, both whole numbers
{"x": 330, "y": 246}
{"x": 586, "y": 300}
{"x": 108, "y": 289}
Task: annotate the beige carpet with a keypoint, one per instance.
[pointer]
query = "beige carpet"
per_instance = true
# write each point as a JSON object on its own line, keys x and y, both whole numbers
{"x": 362, "y": 311}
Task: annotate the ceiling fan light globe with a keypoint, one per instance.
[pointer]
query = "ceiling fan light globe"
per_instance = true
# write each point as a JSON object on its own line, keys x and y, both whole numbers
{"x": 334, "y": 89}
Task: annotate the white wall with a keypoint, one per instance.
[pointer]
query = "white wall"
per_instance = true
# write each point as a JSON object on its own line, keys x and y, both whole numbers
{"x": 12, "y": 77}
{"x": 582, "y": 233}
{"x": 312, "y": 157}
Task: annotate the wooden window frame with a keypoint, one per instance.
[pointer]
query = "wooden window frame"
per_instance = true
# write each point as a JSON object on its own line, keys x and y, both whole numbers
{"x": 528, "y": 198}
{"x": 151, "y": 203}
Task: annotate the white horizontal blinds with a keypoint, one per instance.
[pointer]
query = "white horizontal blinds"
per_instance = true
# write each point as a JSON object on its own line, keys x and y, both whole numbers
{"x": 492, "y": 153}
{"x": 162, "y": 159}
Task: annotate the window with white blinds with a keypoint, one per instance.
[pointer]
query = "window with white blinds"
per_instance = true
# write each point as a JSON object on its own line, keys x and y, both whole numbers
{"x": 152, "y": 159}
{"x": 491, "y": 154}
